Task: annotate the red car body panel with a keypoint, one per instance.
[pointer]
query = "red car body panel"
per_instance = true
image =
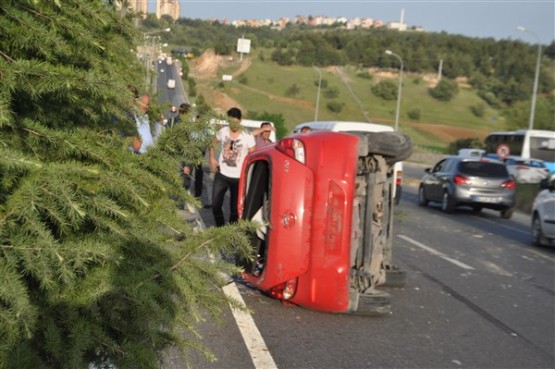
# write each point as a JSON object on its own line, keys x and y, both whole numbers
{"x": 310, "y": 219}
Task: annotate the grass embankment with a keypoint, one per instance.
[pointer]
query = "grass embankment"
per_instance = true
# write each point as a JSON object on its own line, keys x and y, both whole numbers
{"x": 265, "y": 85}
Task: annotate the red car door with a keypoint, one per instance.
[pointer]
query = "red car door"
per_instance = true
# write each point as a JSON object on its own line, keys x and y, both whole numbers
{"x": 276, "y": 189}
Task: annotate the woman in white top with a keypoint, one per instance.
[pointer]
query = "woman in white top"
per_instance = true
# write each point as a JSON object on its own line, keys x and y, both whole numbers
{"x": 235, "y": 144}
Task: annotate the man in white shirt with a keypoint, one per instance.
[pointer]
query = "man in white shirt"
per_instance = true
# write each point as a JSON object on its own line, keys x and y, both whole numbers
{"x": 235, "y": 144}
{"x": 140, "y": 144}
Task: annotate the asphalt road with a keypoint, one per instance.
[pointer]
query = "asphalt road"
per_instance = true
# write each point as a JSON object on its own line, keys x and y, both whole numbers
{"x": 477, "y": 295}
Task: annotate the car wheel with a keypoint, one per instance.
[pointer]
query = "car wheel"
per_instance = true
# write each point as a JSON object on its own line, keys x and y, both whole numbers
{"x": 393, "y": 146}
{"x": 507, "y": 213}
{"x": 477, "y": 208}
{"x": 447, "y": 204}
{"x": 422, "y": 200}
{"x": 538, "y": 238}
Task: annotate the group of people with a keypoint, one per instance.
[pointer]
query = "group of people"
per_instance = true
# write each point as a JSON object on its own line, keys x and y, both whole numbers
{"x": 231, "y": 145}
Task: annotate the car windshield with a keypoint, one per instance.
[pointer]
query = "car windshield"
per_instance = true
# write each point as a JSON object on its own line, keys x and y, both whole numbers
{"x": 483, "y": 169}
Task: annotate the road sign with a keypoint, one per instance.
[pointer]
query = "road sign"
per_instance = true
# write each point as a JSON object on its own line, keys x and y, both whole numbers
{"x": 503, "y": 151}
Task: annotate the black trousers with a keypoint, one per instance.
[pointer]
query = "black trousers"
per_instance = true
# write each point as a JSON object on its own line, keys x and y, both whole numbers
{"x": 199, "y": 174}
{"x": 221, "y": 185}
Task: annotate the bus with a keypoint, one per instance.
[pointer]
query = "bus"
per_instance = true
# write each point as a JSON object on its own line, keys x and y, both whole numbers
{"x": 525, "y": 143}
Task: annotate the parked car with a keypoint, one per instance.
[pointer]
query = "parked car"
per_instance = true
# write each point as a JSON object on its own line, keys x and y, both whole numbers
{"x": 543, "y": 213}
{"x": 324, "y": 204}
{"x": 171, "y": 83}
{"x": 357, "y": 127}
{"x": 526, "y": 170}
{"x": 478, "y": 183}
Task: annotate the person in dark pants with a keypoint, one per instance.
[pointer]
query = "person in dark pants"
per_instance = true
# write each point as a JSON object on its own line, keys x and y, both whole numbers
{"x": 235, "y": 144}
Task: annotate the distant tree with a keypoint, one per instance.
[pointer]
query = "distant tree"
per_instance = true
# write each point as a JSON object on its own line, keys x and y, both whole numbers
{"x": 445, "y": 90}
{"x": 292, "y": 90}
{"x": 331, "y": 92}
{"x": 518, "y": 116}
{"x": 414, "y": 113}
{"x": 464, "y": 143}
{"x": 335, "y": 106}
{"x": 386, "y": 89}
{"x": 479, "y": 109}
{"x": 323, "y": 84}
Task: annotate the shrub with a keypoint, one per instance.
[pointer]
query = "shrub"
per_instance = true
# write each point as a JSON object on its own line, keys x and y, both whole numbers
{"x": 414, "y": 113}
{"x": 365, "y": 75}
{"x": 292, "y": 90}
{"x": 323, "y": 84}
{"x": 445, "y": 90}
{"x": 479, "y": 109}
{"x": 464, "y": 143}
{"x": 332, "y": 92}
{"x": 386, "y": 89}
{"x": 335, "y": 106}
{"x": 243, "y": 80}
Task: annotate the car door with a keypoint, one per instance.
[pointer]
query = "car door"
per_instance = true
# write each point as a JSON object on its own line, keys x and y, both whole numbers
{"x": 282, "y": 246}
{"x": 435, "y": 180}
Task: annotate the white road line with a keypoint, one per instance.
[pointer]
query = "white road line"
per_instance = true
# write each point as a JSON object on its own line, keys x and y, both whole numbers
{"x": 436, "y": 253}
{"x": 258, "y": 350}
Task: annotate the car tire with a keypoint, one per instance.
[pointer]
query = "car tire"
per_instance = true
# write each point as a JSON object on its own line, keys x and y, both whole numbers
{"x": 422, "y": 200}
{"x": 447, "y": 204}
{"x": 393, "y": 146}
{"x": 507, "y": 213}
{"x": 538, "y": 238}
{"x": 477, "y": 208}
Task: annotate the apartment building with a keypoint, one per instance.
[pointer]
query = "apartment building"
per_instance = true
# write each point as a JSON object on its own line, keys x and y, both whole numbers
{"x": 167, "y": 7}
{"x": 136, "y": 6}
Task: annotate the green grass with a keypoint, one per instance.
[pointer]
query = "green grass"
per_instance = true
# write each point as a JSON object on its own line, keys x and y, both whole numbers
{"x": 267, "y": 84}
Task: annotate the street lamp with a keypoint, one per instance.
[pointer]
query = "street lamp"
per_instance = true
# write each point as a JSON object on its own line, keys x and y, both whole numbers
{"x": 318, "y": 94}
{"x": 149, "y": 50}
{"x": 389, "y": 52}
{"x": 536, "y": 77}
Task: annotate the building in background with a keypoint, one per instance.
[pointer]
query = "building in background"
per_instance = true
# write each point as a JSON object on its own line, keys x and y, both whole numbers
{"x": 136, "y": 6}
{"x": 167, "y": 7}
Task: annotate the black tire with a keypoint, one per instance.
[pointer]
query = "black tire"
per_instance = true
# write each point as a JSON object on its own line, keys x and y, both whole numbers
{"x": 422, "y": 200}
{"x": 477, "y": 208}
{"x": 538, "y": 238}
{"x": 393, "y": 146}
{"x": 398, "y": 191}
{"x": 447, "y": 204}
{"x": 507, "y": 213}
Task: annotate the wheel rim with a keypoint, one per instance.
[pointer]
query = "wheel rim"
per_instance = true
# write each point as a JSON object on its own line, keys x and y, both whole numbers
{"x": 536, "y": 230}
{"x": 421, "y": 198}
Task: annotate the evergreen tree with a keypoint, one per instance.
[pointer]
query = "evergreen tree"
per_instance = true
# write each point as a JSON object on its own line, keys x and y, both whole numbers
{"x": 96, "y": 267}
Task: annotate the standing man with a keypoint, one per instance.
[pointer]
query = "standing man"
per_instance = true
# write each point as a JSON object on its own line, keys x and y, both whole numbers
{"x": 235, "y": 144}
{"x": 262, "y": 135}
{"x": 140, "y": 144}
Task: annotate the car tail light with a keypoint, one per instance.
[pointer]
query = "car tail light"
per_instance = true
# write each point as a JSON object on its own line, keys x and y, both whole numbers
{"x": 290, "y": 289}
{"x": 399, "y": 179}
{"x": 460, "y": 180}
{"x": 508, "y": 184}
{"x": 284, "y": 291}
{"x": 293, "y": 148}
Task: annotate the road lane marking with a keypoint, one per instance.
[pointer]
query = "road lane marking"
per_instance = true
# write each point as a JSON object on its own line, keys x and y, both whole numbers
{"x": 259, "y": 352}
{"x": 436, "y": 253}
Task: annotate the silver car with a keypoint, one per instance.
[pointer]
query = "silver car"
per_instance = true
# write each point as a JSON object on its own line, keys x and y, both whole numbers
{"x": 543, "y": 213}
{"x": 478, "y": 183}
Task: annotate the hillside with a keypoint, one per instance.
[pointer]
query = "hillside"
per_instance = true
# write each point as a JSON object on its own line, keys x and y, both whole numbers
{"x": 261, "y": 86}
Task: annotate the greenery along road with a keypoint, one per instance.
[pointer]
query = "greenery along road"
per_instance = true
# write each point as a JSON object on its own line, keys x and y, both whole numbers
{"x": 493, "y": 78}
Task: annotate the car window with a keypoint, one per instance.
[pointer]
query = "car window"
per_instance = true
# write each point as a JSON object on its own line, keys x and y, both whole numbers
{"x": 439, "y": 166}
{"x": 483, "y": 169}
{"x": 448, "y": 165}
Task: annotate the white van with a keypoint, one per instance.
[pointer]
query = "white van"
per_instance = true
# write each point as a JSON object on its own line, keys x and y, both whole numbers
{"x": 356, "y": 127}
{"x": 249, "y": 124}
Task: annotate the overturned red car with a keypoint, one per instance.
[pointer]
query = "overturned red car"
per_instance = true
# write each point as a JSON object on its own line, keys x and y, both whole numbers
{"x": 324, "y": 202}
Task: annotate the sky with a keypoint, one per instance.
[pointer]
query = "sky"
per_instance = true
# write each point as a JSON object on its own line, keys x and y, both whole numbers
{"x": 474, "y": 18}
